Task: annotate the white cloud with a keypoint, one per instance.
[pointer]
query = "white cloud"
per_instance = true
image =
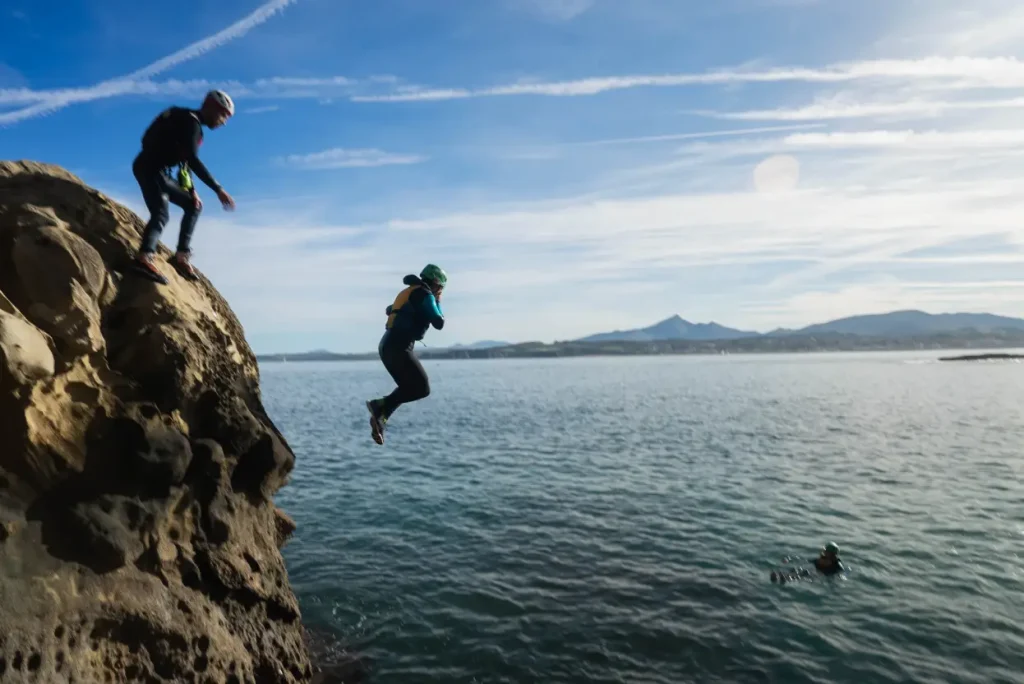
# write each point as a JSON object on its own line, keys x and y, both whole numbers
{"x": 736, "y": 255}
{"x": 241, "y": 27}
{"x": 854, "y": 110}
{"x": 127, "y": 84}
{"x": 555, "y": 10}
{"x": 822, "y": 304}
{"x": 958, "y": 72}
{"x": 693, "y": 135}
{"x": 283, "y": 82}
{"x": 340, "y": 158}
{"x": 942, "y": 140}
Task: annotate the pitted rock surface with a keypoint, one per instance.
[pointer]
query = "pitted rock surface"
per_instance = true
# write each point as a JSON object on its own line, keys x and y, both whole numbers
{"x": 139, "y": 541}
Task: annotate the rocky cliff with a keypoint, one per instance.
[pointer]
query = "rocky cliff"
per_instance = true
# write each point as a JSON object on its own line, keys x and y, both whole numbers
{"x": 138, "y": 537}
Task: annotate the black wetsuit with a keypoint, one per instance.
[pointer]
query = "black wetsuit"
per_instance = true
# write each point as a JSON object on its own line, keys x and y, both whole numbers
{"x": 414, "y": 311}
{"x": 172, "y": 139}
{"x": 833, "y": 569}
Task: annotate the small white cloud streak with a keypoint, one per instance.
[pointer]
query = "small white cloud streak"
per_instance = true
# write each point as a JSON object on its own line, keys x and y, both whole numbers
{"x": 854, "y": 110}
{"x": 558, "y": 10}
{"x": 994, "y": 72}
{"x": 342, "y": 158}
{"x": 691, "y": 135}
{"x": 942, "y": 140}
{"x": 128, "y": 84}
{"x": 197, "y": 49}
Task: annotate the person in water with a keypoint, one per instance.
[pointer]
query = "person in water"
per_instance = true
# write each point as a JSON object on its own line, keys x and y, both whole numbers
{"x": 414, "y": 310}
{"x": 173, "y": 139}
{"x": 828, "y": 562}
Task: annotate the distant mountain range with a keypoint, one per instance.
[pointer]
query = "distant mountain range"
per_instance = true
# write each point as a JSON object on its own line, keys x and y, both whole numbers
{"x": 892, "y": 324}
{"x": 674, "y": 328}
{"x": 482, "y": 344}
{"x": 910, "y": 322}
{"x": 909, "y": 329}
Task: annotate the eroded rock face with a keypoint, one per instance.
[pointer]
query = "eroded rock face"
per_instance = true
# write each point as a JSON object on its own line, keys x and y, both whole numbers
{"x": 138, "y": 537}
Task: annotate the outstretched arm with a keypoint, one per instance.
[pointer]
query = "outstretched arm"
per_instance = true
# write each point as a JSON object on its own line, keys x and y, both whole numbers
{"x": 193, "y": 161}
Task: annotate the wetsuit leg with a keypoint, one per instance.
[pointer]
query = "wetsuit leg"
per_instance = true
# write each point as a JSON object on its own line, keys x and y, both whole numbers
{"x": 152, "y": 186}
{"x": 408, "y": 373}
{"x": 157, "y": 189}
{"x": 188, "y": 219}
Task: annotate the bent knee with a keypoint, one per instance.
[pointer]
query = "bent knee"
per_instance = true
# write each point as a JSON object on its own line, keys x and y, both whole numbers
{"x": 423, "y": 391}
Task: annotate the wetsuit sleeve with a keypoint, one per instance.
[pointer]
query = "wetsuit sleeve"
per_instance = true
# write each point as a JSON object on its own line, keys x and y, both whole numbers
{"x": 196, "y": 165}
{"x": 432, "y": 311}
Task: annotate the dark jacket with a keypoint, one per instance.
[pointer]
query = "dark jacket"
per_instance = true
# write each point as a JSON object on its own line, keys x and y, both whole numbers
{"x": 173, "y": 139}
{"x": 412, "y": 313}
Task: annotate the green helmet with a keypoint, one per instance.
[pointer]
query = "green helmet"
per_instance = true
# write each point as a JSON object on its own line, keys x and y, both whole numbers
{"x": 434, "y": 274}
{"x": 831, "y": 547}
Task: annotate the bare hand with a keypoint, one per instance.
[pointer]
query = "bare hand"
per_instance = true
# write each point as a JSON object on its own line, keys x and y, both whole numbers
{"x": 198, "y": 202}
{"x": 225, "y": 199}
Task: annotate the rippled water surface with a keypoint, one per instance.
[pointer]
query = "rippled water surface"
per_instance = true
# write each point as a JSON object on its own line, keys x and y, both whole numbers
{"x": 616, "y": 520}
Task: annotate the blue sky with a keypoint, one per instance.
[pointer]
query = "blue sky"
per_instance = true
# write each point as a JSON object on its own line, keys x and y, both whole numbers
{"x": 575, "y": 165}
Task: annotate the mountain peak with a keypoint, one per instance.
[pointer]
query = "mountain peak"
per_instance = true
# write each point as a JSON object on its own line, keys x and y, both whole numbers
{"x": 674, "y": 327}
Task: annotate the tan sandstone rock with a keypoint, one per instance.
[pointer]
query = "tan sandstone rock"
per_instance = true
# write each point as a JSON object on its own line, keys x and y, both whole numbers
{"x": 25, "y": 355}
{"x": 138, "y": 536}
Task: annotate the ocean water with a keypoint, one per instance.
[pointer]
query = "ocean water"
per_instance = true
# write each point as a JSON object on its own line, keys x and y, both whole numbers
{"x": 616, "y": 520}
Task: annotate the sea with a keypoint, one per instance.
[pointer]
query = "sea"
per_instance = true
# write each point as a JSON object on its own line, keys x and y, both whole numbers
{"x": 600, "y": 520}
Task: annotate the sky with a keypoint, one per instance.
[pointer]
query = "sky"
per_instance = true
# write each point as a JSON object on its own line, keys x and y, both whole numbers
{"x": 576, "y": 166}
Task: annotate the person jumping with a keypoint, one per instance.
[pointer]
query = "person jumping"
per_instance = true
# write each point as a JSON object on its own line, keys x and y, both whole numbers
{"x": 173, "y": 138}
{"x": 414, "y": 310}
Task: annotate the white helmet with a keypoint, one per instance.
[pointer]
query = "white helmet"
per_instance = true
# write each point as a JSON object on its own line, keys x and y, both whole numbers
{"x": 222, "y": 100}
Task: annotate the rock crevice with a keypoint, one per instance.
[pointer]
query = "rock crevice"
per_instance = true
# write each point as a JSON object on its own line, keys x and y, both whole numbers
{"x": 139, "y": 540}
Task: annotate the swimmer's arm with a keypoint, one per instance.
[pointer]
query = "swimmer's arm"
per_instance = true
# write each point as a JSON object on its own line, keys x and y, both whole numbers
{"x": 432, "y": 310}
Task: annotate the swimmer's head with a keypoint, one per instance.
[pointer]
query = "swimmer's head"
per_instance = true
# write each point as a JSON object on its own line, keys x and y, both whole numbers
{"x": 830, "y": 550}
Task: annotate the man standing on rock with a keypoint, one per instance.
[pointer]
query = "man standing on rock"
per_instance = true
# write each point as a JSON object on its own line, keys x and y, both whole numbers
{"x": 173, "y": 139}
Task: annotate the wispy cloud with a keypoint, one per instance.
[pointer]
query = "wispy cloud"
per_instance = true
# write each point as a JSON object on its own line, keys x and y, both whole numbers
{"x": 555, "y": 10}
{"x": 693, "y": 135}
{"x": 128, "y": 83}
{"x": 953, "y": 73}
{"x": 261, "y": 110}
{"x": 264, "y": 88}
{"x": 739, "y": 250}
{"x": 853, "y": 110}
{"x": 971, "y": 139}
{"x": 965, "y": 72}
{"x": 342, "y": 158}
{"x": 241, "y": 27}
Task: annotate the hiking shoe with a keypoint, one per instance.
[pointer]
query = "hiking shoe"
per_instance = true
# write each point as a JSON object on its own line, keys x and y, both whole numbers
{"x": 183, "y": 266}
{"x": 143, "y": 264}
{"x": 377, "y": 421}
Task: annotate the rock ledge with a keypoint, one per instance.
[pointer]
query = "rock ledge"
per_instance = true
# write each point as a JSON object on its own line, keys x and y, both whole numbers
{"x": 138, "y": 537}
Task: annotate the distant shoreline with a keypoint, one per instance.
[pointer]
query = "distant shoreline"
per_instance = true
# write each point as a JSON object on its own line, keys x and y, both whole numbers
{"x": 797, "y": 344}
{"x": 983, "y": 357}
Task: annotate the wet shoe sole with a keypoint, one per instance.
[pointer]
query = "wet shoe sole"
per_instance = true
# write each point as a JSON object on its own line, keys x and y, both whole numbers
{"x": 138, "y": 269}
{"x": 184, "y": 273}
